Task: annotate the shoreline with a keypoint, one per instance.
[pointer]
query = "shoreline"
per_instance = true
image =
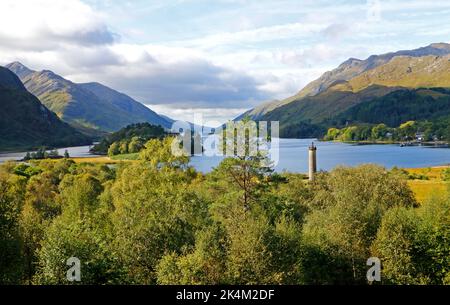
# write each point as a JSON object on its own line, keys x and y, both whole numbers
{"x": 367, "y": 142}
{"x": 25, "y": 150}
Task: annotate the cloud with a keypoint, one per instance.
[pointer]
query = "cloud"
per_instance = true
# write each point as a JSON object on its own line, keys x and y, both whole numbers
{"x": 181, "y": 79}
{"x": 211, "y": 117}
{"x": 295, "y": 30}
{"x": 45, "y": 24}
{"x": 190, "y": 55}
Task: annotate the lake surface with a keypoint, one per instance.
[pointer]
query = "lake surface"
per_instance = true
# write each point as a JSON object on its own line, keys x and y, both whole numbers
{"x": 78, "y": 151}
{"x": 294, "y": 155}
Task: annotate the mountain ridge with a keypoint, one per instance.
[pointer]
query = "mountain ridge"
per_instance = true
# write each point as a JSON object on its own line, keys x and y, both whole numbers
{"x": 347, "y": 70}
{"x": 26, "y": 123}
{"x": 81, "y": 105}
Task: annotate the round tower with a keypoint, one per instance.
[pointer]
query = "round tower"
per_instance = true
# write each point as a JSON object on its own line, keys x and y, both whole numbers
{"x": 312, "y": 161}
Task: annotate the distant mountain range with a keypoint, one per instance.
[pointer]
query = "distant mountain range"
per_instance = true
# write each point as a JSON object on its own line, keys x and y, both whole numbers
{"x": 92, "y": 108}
{"x": 26, "y": 123}
{"x": 335, "y": 97}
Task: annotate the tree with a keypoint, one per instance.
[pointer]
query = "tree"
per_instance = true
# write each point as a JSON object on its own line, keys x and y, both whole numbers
{"x": 40, "y": 208}
{"x": 80, "y": 231}
{"x": 347, "y": 209}
{"x": 123, "y": 147}
{"x": 158, "y": 153}
{"x": 379, "y": 132}
{"x": 155, "y": 213}
{"x": 332, "y": 134}
{"x": 349, "y": 134}
{"x": 408, "y": 130}
{"x": 135, "y": 145}
{"x": 413, "y": 244}
{"x": 66, "y": 154}
{"x": 114, "y": 149}
{"x": 12, "y": 191}
{"x": 205, "y": 265}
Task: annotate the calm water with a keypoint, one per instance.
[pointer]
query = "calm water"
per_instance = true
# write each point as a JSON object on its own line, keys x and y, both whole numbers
{"x": 294, "y": 155}
{"x": 78, "y": 151}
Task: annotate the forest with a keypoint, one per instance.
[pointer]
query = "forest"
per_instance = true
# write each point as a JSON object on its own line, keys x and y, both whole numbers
{"x": 421, "y": 131}
{"x": 129, "y": 139}
{"x": 156, "y": 220}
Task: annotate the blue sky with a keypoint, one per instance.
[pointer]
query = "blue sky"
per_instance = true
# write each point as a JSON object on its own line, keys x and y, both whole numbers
{"x": 216, "y": 57}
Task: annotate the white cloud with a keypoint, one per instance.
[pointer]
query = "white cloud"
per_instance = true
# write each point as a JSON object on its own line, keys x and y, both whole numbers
{"x": 235, "y": 57}
{"x": 212, "y": 117}
{"x": 262, "y": 34}
{"x": 46, "y": 24}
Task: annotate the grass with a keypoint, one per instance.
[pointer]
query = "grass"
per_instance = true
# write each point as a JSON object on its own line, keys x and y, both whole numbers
{"x": 423, "y": 189}
{"x": 98, "y": 160}
{"x": 108, "y": 160}
{"x": 126, "y": 157}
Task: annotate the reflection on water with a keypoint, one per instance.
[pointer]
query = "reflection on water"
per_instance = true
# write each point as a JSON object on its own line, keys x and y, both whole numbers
{"x": 294, "y": 155}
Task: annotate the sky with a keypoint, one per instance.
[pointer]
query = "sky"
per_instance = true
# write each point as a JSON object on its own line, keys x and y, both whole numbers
{"x": 217, "y": 58}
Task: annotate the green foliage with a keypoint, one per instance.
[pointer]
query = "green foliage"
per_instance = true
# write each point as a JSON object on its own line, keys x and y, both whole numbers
{"x": 379, "y": 132}
{"x": 313, "y": 116}
{"x": 164, "y": 217}
{"x": 42, "y": 153}
{"x": 158, "y": 154}
{"x": 204, "y": 266}
{"x": 132, "y": 156}
{"x": 12, "y": 192}
{"x": 80, "y": 231}
{"x": 446, "y": 174}
{"x": 413, "y": 244}
{"x": 347, "y": 210}
{"x": 158, "y": 221}
{"x": 128, "y": 139}
{"x": 401, "y": 106}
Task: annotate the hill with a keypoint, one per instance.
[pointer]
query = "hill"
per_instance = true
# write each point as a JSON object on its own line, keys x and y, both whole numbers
{"x": 26, "y": 123}
{"x": 136, "y": 134}
{"x": 328, "y": 101}
{"x": 398, "y": 107}
{"x": 88, "y": 107}
{"x": 353, "y": 68}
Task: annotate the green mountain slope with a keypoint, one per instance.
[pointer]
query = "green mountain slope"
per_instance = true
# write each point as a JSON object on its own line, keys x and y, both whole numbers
{"x": 85, "y": 106}
{"x": 26, "y": 123}
{"x": 353, "y": 68}
{"x": 379, "y": 80}
{"x": 404, "y": 71}
{"x": 316, "y": 112}
{"x": 398, "y": 107}
{"x": 139, "y": 112}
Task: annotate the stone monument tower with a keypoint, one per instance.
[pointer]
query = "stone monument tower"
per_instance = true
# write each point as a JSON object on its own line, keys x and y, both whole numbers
{"x": 312, "y": 161}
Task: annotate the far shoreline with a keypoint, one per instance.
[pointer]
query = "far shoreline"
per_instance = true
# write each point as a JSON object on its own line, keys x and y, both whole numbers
{"x": 441, "y": 144}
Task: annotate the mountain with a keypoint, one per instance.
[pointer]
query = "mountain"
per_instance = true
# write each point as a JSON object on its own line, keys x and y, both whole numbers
{"x": 26, "y": 123}
{"x": 348, "y": 70}
{"x": 88, "y": 107}
{"x": 399, "y": 107}
{"x": 353, "y": 67}
{"x": 122, "y": 101}
{"x": 328, "y": 101}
